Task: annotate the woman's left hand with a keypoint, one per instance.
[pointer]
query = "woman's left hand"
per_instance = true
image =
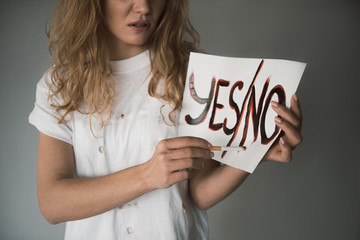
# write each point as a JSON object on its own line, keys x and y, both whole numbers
{"x": 289, "y": 121}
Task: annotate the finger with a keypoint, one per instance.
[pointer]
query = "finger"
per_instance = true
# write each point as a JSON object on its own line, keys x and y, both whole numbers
{"x": 183, "y": 142}
{"x": 286, "y": 114}
{"x": 273, "y": 152}
{"x": 295, "y": 106}
{"x": 286, "y": 151}
{"x": 187, "y": 163}
{"x": 190, "y": 152}
{"x": 291, "y": 134}
{"x": 180, "y": 176}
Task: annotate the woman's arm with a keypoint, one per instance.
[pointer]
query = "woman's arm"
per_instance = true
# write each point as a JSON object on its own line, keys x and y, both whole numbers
{"x": 215, "y": 182}
{"x": 63, "y": 197}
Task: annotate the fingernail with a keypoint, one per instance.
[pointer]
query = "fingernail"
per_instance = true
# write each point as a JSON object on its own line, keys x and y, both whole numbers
{"x": 212, "y": 154}
{"x": 210, "y": 145}
{"x": 282, "y": 141}
{"x": 278, "y": 120}
{"x": 274, "y": 104}
{"x": 296, "y": 97}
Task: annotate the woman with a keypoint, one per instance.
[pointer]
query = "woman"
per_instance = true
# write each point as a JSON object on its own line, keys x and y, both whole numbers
{"x": 109, "y": 161}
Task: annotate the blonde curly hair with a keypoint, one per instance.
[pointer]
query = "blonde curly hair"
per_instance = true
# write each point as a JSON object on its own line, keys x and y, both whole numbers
{"x": 79, "y": 46}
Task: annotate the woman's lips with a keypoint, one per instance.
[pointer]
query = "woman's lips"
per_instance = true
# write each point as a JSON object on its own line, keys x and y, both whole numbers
{"x": 140, "y": 26}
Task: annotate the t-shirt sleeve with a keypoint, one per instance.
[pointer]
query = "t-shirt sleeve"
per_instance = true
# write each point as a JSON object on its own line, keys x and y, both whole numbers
{"x": 45, "y": 117}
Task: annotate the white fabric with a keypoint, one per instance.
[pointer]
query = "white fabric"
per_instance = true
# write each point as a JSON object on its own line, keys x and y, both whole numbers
{"x": 129, "y": 139}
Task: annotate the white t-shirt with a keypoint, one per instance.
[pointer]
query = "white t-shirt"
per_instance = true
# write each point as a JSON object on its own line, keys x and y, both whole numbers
{"x": 129, "y": 139}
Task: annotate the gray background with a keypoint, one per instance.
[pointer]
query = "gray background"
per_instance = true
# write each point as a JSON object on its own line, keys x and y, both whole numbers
{"x": 317, "y": 196}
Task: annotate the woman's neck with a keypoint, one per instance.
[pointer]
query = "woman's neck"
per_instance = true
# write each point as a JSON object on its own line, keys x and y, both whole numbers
{"x": 121, "y": 50}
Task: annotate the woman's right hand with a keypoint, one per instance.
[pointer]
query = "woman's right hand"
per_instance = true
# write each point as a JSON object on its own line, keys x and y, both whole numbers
{"x": 174, "y": 159}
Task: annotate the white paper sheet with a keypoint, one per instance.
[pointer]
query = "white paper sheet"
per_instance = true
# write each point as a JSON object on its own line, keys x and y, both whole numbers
{"x": 225, "y": 96}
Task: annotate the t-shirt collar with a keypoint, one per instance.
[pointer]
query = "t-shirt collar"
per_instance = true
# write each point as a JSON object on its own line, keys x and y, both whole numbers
{"x": 131, "y": 64}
